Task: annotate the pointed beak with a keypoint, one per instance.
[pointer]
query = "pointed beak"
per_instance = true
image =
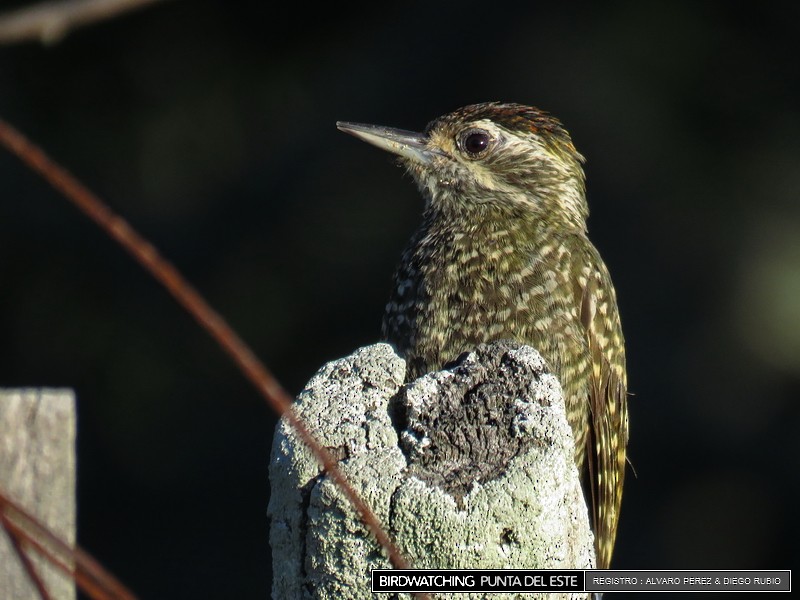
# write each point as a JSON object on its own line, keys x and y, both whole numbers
{"x": 407, "y": 144}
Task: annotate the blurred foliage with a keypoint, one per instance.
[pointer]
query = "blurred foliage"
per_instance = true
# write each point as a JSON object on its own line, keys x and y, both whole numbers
{"x": 210, "y": 125}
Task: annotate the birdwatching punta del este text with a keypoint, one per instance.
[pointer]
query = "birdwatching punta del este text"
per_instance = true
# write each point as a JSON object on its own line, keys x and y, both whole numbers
{"x": 575, "y": 580}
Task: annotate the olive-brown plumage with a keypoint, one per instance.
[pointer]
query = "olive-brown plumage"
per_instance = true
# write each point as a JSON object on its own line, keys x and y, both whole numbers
{"x": 502, "y": 253}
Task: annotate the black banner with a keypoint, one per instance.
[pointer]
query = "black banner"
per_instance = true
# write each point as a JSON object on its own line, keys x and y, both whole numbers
{"x": 469, "y": 580}
{"x": 529, "y": 580}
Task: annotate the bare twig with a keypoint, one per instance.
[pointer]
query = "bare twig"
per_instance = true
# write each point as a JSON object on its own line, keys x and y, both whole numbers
{"x": 193, "y": 302}
{"x": 49, "y": 22}
{"x": 27, "y": 563}
{"x": 25, "y": 531}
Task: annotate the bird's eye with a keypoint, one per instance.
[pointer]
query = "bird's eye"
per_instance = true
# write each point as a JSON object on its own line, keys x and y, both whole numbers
{"x": 475, "y": 142}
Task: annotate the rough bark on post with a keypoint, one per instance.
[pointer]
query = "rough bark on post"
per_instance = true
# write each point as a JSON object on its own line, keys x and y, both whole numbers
{"x": 470, "y": 467}
{"x": 37, "y": 470}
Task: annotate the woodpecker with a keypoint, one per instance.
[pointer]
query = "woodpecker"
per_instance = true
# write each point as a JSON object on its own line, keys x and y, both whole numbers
{"x": 503, "y": 253}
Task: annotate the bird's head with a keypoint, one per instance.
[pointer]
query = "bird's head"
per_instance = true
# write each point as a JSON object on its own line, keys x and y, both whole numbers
{"x": 490, "y": 155}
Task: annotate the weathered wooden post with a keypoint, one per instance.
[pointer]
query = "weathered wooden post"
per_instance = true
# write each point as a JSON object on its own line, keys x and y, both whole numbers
{"x": 37, "y": 470}
{"x": 468, "y": 468}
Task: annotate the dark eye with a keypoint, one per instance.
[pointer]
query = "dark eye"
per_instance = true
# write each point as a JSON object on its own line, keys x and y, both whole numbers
{"x": 475, "y": 142}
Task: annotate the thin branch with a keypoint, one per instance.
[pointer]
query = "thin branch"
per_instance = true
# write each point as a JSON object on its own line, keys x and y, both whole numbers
{"x": 49, "y": 22}
{"x": 39, "y": 538}
{"x": 87, "y": 572}
{"x": 27, "y": 563}
{"x": 144, "y": 253}
{"x": 91, "y": 575}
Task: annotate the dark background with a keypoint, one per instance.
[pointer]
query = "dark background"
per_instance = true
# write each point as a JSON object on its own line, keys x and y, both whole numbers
{"x": 210, "y": 126}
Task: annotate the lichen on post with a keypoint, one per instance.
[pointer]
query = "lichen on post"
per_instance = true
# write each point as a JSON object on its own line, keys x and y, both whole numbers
{"x": 471, "y": 467}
